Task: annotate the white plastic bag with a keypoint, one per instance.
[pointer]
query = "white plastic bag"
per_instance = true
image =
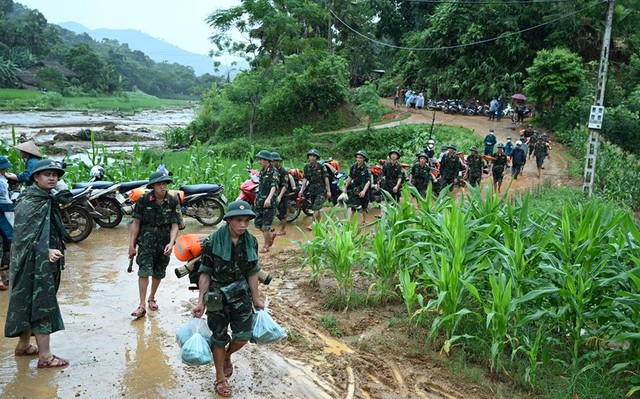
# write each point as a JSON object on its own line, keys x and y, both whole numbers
{"x": 190, "y": 327}
{"x": 265, "y": 329}
{"x": 196, "y": 351}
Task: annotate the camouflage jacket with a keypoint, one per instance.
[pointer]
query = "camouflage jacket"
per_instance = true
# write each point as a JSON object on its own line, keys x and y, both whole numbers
{"x": 283, "y": 181}
{"x": 269, "y": 178}
{"x": 156, "y": 219}
{"x": 475, "y": 163}
{"x": 359, "y": 177}
{"x": 420, "y": 175}
{"x": 390, "y": 174}
{"x": 540, "y": 148}
{"x": 450, "y": 166}
{"x": 315, "y": 176}
{"x": 224, "y": 272}
{"x": 500, "y": 161}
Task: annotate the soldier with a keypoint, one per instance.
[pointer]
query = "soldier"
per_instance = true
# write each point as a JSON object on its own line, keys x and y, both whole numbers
{"x": 37, "y": 262}
{"x": 228, "y": 287}
{"x": 475, "y": 164}
{"x": 154, "y": 229}
{"x": 391, "y": 176}
{"x": 489, "y": 141}
{"x": 449, "y": 167}
{"x": 283, "y": 193}
{"x": 528, "y": 132}
{"x": 266, "y": 199}
{"x": 541, "y": 150}
{"x": 357, "y": 186}
{"x": 420, "y": 174}
{"x": 318, "y": 189}
{"x": 500, "y": 163}
{"x": 533, "y": 139}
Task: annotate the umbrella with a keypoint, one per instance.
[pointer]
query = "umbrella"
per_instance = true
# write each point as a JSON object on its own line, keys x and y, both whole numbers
{"x": 519, "y": 96}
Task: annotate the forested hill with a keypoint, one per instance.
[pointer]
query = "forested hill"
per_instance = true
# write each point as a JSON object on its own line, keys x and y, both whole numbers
{"x": 37, "y": 54}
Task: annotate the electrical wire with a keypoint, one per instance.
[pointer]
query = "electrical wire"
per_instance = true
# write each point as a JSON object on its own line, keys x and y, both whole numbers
{"x": 461, "y": 45}
{"x": 485, "y": 2}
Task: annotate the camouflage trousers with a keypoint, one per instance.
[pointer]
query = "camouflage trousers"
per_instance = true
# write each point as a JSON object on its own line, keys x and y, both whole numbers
{"x": 230, "y": 305}
{"x": 151, "y": 259}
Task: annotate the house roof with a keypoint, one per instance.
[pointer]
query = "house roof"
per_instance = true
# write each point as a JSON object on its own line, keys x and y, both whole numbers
{"x": 68, "y": 73}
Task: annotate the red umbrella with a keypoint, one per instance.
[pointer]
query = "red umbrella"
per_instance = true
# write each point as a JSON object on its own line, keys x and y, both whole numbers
{"x": 519, "y": 96}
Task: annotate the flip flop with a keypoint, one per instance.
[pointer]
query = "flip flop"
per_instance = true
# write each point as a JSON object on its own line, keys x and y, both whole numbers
{"x": 228, "y": 369}
{"x": 264, "y": 250}
{"x": 3, "y": 287}
{"x": 280, "y": 233}
{"x": 55, "y": 361}
{"x": 222, "y": 388}
{"x": 30, "y": 351}
{"x": 138, "y": 314}
{"x": 153, "y": 305}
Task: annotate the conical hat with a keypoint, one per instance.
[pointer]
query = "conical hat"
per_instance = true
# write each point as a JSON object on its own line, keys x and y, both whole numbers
{"x": 30, "y": 148}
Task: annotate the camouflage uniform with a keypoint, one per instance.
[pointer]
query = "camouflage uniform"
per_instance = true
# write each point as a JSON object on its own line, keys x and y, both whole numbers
{"x": 475, "y": 163}
{"x": 420, "y": 177}
{"x": 34, "y": 279}
{"x": 532, "y": 143}
{"x": 359, "y": 178}
{"x": 269, "y": 178}
{"x": 155, "y": 232}
{"x": 316, "y": 189}
{"x": 229, "y": 298}
{"x": 283, "y": 205}
{"x": 389, "y": 178}
{"x": 540, "y": 151}
{"x": 499, "y": 166}
{"x": 449, "y": 169}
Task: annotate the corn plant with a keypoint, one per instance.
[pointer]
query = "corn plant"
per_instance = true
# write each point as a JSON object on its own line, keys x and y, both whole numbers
{"x": 408, "y": 289}
{"x": 531, "y": 348}
{"x": 383, "y": 263}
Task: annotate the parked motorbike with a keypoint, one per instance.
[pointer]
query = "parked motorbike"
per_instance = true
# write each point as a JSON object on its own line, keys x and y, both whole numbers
{"x": 204, "y": 202}
{"x": 77, "y": 219}
{"x": 249, "y": 188}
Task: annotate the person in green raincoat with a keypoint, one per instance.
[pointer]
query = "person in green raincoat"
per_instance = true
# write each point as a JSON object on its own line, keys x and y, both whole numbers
{"x": 36, "y": 264}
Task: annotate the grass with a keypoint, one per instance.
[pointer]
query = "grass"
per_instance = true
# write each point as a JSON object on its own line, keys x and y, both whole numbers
{"x": 332, "y": 325}
{"x": 17, "y": 99}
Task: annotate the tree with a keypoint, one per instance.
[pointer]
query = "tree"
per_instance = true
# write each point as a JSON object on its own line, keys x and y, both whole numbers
{"x": 51, "y": 79}
{"x": 370, "y": 103}
{"x": 555, "y": 76}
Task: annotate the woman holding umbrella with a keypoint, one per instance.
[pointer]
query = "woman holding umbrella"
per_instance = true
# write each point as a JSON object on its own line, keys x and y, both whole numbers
{"x": 520, "y": 107}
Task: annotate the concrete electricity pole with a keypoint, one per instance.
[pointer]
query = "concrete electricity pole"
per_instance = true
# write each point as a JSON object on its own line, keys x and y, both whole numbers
{"x": 597, "y": 110}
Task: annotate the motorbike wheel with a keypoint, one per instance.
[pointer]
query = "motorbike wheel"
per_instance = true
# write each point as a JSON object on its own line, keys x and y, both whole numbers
{"x": 110, "y": 210}
{"x": 306, "y": 208}
{"x": 293, "y": 212}
{"x": 78, "y": 223}
{"x": 208, "y": 211}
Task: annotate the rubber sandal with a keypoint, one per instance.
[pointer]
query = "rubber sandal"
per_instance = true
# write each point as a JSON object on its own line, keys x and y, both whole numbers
{"x": 264, "y": 250}
{"x": 280, "y": 233}
{"x": 30, "y": 351}
{"x": 222, "y": 388}
{"x": 153, "y": 305}
{"x": 228, "y": 369}
{"x": 138, "y": 313}
{"x": 3, "y": 287}
{"x": 54, "y": 362}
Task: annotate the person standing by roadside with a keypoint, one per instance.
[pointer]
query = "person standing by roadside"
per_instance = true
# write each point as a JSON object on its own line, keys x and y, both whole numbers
{"x": 283, "y": 193}
{"x": 449, "y": 167}
{"x": 420, "y": 174}
{"x": 493, "y": 109}
{"x": 518, "y": 158}
{"x": 228, "y": 289}
{"x": 500, "y": 164}
{"x": 499, "y": 109}
{"x": 30, "y": 152}
{"x": 37, "y": 262}
{"x": 6, "y": 223}
{"x": 475, "y": 163}
{"x": 318, "y": 188}
{"x": 266, "y": 198}
{"x": 153, "y": 233}
{"x": 357, "y": 186}
{"x": 420, "y": 101}
{"x": 396, "y": 96}
{"x": 392, "y": 175}
{"x": 489, "y": 141}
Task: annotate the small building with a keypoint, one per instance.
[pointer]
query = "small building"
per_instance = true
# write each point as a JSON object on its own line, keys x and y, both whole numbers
{"x": 27, "y": 78}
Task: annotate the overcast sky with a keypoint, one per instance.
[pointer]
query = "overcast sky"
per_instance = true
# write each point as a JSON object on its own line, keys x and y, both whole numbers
{"x": 179, "y": 22}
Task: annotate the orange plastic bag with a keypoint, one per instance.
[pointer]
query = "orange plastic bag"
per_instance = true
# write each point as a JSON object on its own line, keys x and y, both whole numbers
{"x": 189, "y": 246}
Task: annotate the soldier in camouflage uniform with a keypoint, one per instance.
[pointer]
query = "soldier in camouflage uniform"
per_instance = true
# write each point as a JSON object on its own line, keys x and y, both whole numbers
{"x": 156, "y": 221}
{"x": 475, "y": 163}
{"x": 266, "y": 199}
{"x": 420, "y": 174}
{"x": 228, "y": 287}
{"x": 318, "y": 188}
{"x": 449, "y": 167}
{"x": 541, "y": 150}
{"x": 283, "y": 193}
{"x": 357, "y": 186}
{"x": 500, "y": 164}
{"x": 36, "y": 264}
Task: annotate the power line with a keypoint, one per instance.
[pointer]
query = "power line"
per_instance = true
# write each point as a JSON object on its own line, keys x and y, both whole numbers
{"x": 461, "y": 45}
{"x": 485, "y": 2}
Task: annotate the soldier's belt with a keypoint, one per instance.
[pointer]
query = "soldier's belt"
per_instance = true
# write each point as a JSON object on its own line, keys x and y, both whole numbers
{"x": 164, "y": 228}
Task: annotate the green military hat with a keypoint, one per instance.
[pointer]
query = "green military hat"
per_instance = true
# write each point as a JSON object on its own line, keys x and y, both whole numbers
{"x": 453, "y": 146}
{"x": 4, "y": 163}
{"x": 313, "y": 151}
{"x": 47, "y": 164}
{"x": 443, "y": 147}
{"x": 423, "y": 155}
{"x": 264, "y": 154}
{"x": 275, "y": 156}
{"x": 394, "y": 151}
{"x": 239, "y": 208}
{"x": 363, "y": 153}
{"x": 500, "y": 145}
{"x": 473, "y": 148}
{"x": 158, "y": 177}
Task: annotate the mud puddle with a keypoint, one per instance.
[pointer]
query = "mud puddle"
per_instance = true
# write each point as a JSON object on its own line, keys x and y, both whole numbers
{"x": 113, "y": 356}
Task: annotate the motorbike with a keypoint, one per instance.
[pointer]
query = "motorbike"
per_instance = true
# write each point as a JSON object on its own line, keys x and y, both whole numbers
{"x": 249, "y": 188}
{"x": 203, "y": 202}
{"x": 77, "y": 220}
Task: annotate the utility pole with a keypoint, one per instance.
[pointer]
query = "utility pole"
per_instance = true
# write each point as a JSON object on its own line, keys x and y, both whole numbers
{"x": 597, "y": 110}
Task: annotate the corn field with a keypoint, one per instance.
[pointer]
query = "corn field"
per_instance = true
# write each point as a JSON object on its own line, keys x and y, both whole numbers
{"x": 523, "y": 284}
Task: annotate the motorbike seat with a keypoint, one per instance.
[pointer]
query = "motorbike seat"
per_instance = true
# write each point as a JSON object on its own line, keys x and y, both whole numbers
{"x": 76, "y": 191}
{"x": 130, "y": 185}
{"x": 98, "y": 185}
{"x": 201, "y": 188}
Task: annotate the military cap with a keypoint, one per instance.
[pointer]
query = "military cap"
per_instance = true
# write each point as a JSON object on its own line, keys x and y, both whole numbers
{"x": 500, "y": 145}
{"x": 473, "y": 148}
{"x": 394, "y": 151}
{"x": 239, "y": 208}
{"x": 158, "y": 177}
{"x": 313, "y": 151}
{"x": 363, "y": 153}
{"x": 264, "y": 154}
{"x": 275, "y": 156}
{"x": 47, "y": 164}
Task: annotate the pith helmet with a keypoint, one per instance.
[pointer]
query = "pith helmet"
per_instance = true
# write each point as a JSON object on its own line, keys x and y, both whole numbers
{"x": 314, "y": 152}
{"x": 394, "y": 151}
{"x": 158, "y": 177}
{"x": 453, "y": 146}
{"x": 423, "y": 155}
{"x": 275, "y": 156}
{"x": 4, "y": 163}
{"x": 500, "y": 145}
{"x": 264, "y": 154}
{"x": 473, "y": 148}
{"x": 363, "y": 153}
{"x": 47, "y": 164}
{"x": 30, "y": 148}
{"x": 239, "y": 208}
